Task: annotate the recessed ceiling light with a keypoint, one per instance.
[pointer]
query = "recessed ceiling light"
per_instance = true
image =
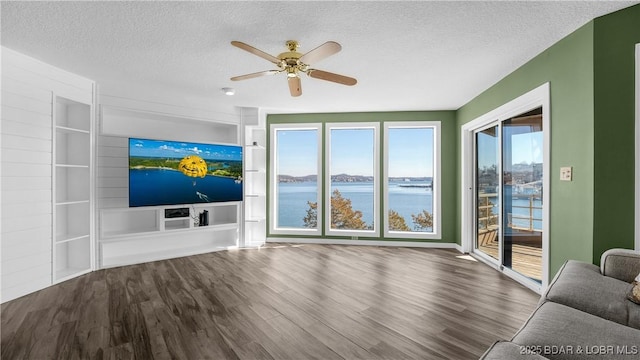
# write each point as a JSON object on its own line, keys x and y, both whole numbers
{"x": 228, "y": 91}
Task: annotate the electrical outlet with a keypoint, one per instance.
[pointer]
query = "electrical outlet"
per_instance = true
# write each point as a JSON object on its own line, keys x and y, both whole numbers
{"x": 566, "y": 173}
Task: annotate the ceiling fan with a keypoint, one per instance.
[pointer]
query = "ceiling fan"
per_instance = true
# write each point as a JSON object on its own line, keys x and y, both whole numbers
{"x": 293, "y": 63}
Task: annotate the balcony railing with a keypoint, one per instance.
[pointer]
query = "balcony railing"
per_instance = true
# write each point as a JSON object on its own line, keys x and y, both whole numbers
{"x": 523, "y": 221}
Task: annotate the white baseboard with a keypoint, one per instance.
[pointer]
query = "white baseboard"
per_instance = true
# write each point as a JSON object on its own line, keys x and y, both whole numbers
{"x": 417, "y": 244}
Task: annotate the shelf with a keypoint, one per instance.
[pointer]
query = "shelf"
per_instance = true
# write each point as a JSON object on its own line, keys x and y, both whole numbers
{"x": 73, "y": 115}
{"x": 71, "y": 130}
{"x": 72, "y": 166}
{"x": 179, "y": 223}
{"x": 129, "y": 223}
{"x": 75, "y": 202}
{"x": 72, "y": 184}
{"x": 72, "y": 221}
{"x": 63, "y": 238}
{"x": 72, "y": 257}
{"x": 111, "y": 237}
{"x": 72, "y": 145}
{"x": 256, "y": 183}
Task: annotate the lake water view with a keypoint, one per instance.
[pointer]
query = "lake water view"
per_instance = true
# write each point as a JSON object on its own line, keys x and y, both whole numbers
{"x": 150, "y": 187}
{"x": 293, "y": 198}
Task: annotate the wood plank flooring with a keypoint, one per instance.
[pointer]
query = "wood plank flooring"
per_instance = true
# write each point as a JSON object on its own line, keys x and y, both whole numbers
{"x": 278, "y": 302}
{"x": 527, "y": 260}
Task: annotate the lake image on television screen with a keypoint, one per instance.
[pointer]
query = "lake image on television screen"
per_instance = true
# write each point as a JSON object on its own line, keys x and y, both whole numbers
{"x": 174, "y": 173}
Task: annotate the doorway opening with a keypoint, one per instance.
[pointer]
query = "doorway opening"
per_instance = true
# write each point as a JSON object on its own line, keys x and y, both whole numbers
{"x": 505, "y": 188}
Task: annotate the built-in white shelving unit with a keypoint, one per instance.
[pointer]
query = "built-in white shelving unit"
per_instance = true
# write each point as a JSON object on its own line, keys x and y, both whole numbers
{"x": 255, "y": 189}
{"x": 134, "y": 235}
{"x": 72, "y": 182}
{"x": 130, "y": 235}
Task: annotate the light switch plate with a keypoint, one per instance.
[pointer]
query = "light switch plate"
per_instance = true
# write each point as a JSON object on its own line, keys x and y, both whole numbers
{"x": 566, "y": 173}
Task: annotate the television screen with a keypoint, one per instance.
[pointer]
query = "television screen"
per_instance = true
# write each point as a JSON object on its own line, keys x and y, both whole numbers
{"x": 180, "y": 173}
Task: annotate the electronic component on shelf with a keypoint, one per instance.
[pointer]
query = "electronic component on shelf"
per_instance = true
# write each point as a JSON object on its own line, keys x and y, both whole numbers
{"x": 176, "y": 213}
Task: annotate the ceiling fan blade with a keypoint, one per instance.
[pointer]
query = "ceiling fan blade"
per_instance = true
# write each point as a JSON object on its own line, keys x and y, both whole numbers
{"x": 255, "y": 51}
{"x": 321, "y": 52}
{"x": 255, "y": 75}
{"x": 325, "y": 75}
{"x": 295, "y": 87}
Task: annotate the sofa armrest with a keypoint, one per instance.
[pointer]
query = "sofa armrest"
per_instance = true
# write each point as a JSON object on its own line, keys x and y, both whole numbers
{"x": 622, "y": 264}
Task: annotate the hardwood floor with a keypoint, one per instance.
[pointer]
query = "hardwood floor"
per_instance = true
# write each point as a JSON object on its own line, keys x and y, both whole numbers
{"x": 527, "y": 260}
{"x": 278, "y": 302}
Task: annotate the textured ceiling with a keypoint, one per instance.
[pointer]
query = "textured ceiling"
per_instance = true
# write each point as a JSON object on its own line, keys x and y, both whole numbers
{"x": 419, "y": 55}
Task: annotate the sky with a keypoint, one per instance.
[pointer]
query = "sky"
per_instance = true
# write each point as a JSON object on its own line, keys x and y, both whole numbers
{"x": 297, "y": 152}
{"x": 525, "y": 148}
{"x": 179, "y": 149}
{"x": 352, "y": 152}
{"x": 410, "y": 152}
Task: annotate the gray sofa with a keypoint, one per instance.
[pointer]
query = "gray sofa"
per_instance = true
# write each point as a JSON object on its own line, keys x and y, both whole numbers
{"x": 583, "y": 314}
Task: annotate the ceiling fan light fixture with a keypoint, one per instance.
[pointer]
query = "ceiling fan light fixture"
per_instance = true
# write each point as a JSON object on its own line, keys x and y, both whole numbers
{"x": 293, "y": 63}
{"x": 228, "y": 91}
{"x": 292, "y": 72}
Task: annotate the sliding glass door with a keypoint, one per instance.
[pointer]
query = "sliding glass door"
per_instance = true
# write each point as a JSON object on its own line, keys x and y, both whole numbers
{"x": 508, "y": 193}
{"x": 487, "y": 195}
{"x": 522, "y": 194}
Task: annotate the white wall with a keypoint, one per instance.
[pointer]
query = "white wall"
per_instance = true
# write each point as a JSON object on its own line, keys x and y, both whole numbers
{"x": 26, "y": 149}
{"x": 152, "y": 117}
{"x": 25, "y": 178}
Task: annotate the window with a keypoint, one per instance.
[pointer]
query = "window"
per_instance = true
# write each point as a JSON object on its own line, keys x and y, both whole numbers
{"x": 411, "y": 188}
{"x": 355, "y": 179}
{"x": 295, "y": 189}
{"x": 352, "y": 192}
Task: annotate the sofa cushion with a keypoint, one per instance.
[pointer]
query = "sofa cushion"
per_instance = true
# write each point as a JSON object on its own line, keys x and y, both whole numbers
{"x": 562, "y": 332}
{"x": 581, "y": 286}
{"x": 506, "y": 350}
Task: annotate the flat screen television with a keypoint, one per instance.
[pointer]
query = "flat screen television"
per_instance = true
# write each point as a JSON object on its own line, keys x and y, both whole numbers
{"x": 165, "y": 172}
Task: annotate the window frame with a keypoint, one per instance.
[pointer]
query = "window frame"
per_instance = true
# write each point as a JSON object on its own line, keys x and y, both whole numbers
{"x": 354, "y": 234}
{"x": 436, "y": 188}
{"x": 273, "y": 183}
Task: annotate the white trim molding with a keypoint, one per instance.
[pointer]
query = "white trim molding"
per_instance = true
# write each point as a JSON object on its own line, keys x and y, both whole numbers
{"x": 637, "y": 156}
{"x": 375, "y": 126}
{"x": 326, "y": 241}
{"x": 273, "y": 184}
{"x": 436, "y": 187}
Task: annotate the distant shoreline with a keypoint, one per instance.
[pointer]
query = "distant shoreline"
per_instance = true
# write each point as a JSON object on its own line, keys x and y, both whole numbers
{"x": 142, "y": 167}
{"x": 351, "y": 178}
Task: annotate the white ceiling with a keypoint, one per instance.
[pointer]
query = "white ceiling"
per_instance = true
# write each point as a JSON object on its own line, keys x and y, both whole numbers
{"x": 418, "y": 55}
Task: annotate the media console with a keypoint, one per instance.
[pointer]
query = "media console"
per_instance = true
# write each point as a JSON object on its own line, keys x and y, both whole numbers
{"x": 135, "y": 235}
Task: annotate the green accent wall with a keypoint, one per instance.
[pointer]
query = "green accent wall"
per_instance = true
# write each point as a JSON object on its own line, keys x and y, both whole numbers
{"x": 615, "y": 37}
{"x": 591, "y": 74}
{"x": 449, "y": 153}
{"x": 568, "y": 67}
